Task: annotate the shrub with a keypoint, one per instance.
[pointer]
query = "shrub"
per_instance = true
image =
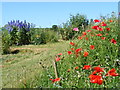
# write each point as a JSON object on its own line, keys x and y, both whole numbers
{"x": 5, "y": 42}
{"x": 77, "y": 21}
{"x": 43, "y": 36}
{"x": 19, "y": 32}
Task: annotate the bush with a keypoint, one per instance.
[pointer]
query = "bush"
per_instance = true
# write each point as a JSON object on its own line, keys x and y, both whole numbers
{"x": 77, "y": 21}
{"x": 5, "y": 42}
{"x": 19, "y": 32}
{"x": 43, "y": 36}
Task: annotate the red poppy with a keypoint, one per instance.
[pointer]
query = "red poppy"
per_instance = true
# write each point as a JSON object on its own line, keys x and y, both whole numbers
{"x": 60, "y": 54}
{"x": 86, "y": 67}
{"x": 86, "y": 38}
{"x": 57, "y": 58}
{"x": 106, "y": 34}
{"x": 104, "y": 24}
{"x": 95, "y": 27}
{"x": 96, "y": 79}
{"x": 86, "y": 54}
{"x": 108, "y": 29}
{"x": 98, "y": 69}
{"x": 100, "y": 29}
{"x": 69, "y": 52}
{"x": 71, "y": 43}
{"x": 92, "y": 47}
{"x": 84, "y": 33}
{"x": 98, "y": 34}
{"x": 113, "y": 41}
{"x": 103, "y": 38}
{"x": 78, "y": 50}
{"x": 72, "y": 49}
{"x": 112, "y": 72}
{"x": 94, "y": 72}
{"x": 77, "y": 67}
{"x": 55, "y": 80}
{"x": 96, "y": 20}
{"x": 79, "y": 38}
{"x": 92, "y": 35}
{"x": 111, "y": 20}
{"x": 83, "y": 36}
{"x": 88, "y": 30}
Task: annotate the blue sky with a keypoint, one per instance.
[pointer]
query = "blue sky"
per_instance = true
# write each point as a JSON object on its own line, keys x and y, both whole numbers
{"x": 46, "y": 14}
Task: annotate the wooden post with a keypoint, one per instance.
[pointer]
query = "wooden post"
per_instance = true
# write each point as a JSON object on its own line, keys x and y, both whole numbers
{"x": 55, "y": 69}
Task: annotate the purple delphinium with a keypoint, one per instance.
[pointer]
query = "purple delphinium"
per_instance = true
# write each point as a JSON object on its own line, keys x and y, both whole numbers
{"x": 18, "y": 24}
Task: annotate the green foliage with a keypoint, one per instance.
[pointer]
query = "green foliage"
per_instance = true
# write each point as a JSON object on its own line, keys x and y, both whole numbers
{"x": 24, "y": 37}
{"x": 5, "y": 42}
{"x": 13, "y": 36}
{"x": 77, "y": 21}
{"x": 54, "y": 27}
{"x": 43, "y": 36}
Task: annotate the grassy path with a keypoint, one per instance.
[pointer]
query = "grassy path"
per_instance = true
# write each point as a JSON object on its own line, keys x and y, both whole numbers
{"x": 25, "y": 65}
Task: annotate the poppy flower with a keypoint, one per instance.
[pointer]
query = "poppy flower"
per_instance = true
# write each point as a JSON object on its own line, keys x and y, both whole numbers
{"x": 86, "y": 38}
{"x": 95, "y": 27}
{"x": 112, "y": 72}
{"x": 86, "y": 54}
{"x": 83, "y": 36}
{"x": 96, "y": 79}
{"x": 79, "y": 38}
{"x": 113, "y": 41}
{"x": 55, "y": 80}
{"x": 92, "y": 35}
{"x": 98, "y": 34}
{"x": 106, "y": 34}
{"x": 111, "y": 20}
{"x": 108, "y": 29}
{"x": 86, "y": 67}
{"x": 60, "y": 54}
{"x": 103, "y": 38}
{"x": 96, "y": 20}
{"x": 71, "y": 43}
{"x": 104, "y": 24}
{"x": 57, "y": 59}
{"x": 77, "y": 67}
{"x": 69, "y": 52}
{"x": 75, "y": 29}
{"x": 88, "y": 30}
{"x": 84, "y": 33}
{"x": 78, "y": 50}
{"x": 100, "y": 29}
{"x": 92, "y": 47}
{"x": 72, "y": 49}
{"x": 98, "y": 69}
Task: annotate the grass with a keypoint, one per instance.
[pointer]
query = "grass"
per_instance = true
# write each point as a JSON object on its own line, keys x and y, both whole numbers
{"x": 25, "y": 65}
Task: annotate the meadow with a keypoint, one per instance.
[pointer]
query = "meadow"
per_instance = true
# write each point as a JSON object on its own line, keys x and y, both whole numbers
{"x": 73, "y": 57}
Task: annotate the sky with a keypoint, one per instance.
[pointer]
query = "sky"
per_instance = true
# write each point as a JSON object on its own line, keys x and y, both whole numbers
{"x": 46, "y": 14}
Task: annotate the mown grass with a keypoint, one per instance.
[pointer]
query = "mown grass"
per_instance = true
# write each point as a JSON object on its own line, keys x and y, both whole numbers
{"x": 24, "y": 68}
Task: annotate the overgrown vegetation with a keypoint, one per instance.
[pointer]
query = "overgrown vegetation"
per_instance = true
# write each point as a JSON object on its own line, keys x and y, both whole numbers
{"x": 89, "y": 59}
